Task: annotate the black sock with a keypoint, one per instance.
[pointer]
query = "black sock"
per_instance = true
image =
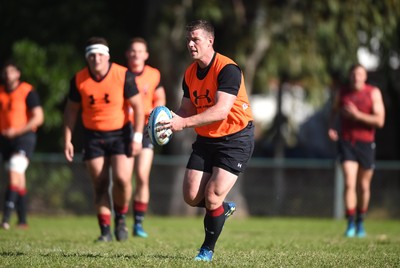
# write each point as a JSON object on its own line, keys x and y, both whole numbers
{"x": 105, "y": 229}
{"x": 138, "y": 217}
{"x": 213, "y": 223}
{"x": 119, "y": 218}
{"x": 360, "y": 217}
{"x": 9, "y": 204}
{"x": 22, "y": 208}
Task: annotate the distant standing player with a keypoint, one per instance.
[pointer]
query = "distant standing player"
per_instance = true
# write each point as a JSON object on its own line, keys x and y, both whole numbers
{"x": 103, "y": 91}
{"x": 361, "y": 111}
{"x": 216, "y": 105}
{"x": 148, "y": 80}
{"x": 20, "y": 116}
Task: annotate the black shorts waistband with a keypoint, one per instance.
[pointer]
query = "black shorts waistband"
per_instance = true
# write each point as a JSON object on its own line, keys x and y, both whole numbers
{"x": 228, "y": 137}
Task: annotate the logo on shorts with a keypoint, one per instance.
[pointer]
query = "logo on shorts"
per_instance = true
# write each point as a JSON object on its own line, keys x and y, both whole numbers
{"x": 239, "y": 165}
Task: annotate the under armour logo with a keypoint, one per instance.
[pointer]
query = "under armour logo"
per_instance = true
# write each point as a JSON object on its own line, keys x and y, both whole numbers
{"x": 92, "y": 100}
{"x": 205, "y": 96}
{"x": 239, "y": 165}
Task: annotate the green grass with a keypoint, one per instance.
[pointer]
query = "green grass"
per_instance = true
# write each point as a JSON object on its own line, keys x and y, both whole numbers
{"x": 173, "y": 242}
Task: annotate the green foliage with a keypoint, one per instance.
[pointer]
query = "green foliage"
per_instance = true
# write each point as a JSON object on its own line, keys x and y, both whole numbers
{"x": 49, "y": 69}
{"x": 173, "y": 242}
{"x": 51, "y": 185}
{"x": 305, "y": 42}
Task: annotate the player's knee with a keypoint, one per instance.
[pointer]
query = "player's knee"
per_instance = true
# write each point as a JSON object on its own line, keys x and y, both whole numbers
{"x": 18, "y": 163}
{"x": 191, "y": 200}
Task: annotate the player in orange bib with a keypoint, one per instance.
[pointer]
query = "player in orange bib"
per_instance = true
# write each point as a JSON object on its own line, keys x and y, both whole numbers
{"x": 104, "y": 91}
{"x": 148, "y": 80}
{"x": 216, "y": 105}
{"x": 20, "y": 115}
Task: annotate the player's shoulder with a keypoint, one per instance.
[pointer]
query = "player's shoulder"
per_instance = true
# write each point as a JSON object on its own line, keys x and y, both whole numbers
{"x": 150, "y": 70}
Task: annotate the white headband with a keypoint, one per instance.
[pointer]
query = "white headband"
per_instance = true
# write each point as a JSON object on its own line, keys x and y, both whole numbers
{"x": 97, "y": 48}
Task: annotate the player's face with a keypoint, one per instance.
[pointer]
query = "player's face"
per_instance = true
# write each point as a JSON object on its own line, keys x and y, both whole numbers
{"x": 137, "y": 54}
{"x": 98, "y": 63}
{"x": 11, "y": 75}
{"x": 358, "y": 77}
{"x": 198, "y": 43}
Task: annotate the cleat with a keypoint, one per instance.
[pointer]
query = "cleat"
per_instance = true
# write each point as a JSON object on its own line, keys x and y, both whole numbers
{"x": 121, "y": 231}
{"x": 104, "y": 238}
{"x": 138, "y": 231}
{"x": 360, "y": 233}
{"x": 350, "y": 231}
{"x": 205, "y": 254}
{"x": 231, "y": 209}
{"x": 5, "y": 226}
{"x": 22, "y": 226}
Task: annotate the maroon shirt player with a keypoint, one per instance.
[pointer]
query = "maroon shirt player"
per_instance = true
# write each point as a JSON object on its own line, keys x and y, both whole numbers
{"x": 361, "y": 110}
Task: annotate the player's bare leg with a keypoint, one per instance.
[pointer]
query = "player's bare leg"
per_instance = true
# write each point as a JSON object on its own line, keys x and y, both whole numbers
{"x": 122, "y": 167}
{"x": 363, "y": 188}
{"x": 350, "y": 169}
{"x": 99, "y": 172}
{"x": 141, "y": 195}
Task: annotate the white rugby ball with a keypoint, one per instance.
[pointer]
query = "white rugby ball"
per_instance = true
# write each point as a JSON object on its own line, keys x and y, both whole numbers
{"x": 158, "y": 114}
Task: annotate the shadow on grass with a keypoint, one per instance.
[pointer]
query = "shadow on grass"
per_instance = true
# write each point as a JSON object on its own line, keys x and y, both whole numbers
{"x": 11, "y": 253}
{"x": 107, "y": 256}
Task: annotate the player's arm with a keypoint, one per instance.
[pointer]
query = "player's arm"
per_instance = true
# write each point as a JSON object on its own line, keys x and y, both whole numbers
{"x": 70, "y": 115}
{"x": 35, "y": 120}
{"x": 71, "y": 112}
{"x": 159, "y": 98}
{"x": 377, "y": 117}
{"x": 135, "y": 100}
{"x": 229, "y": 80}
{"x": 219, "y": 111}
{"x": 332, "y": 132}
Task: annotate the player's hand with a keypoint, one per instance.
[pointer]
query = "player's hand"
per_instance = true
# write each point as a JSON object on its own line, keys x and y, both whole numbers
{"x": 175, "y": 124}
{"x": 69, "y": 151}
{"x": 333, "y": 135}
{"x": 10, "y": 133}
{"x": 350, "y": 111}
{"x": 136, "y": 148}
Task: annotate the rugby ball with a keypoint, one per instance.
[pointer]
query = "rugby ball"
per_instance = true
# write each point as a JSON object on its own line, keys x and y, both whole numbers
{"x": 159, "y": 113}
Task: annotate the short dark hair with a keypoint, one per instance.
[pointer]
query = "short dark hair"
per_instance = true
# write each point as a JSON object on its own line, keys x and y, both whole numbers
{"x": 355, "y": 66}
{"x": 10, "y": 62}
{"x": 96, "y": 40}
{"x": 200, "y": 24}
{"x": 138, "y": 40}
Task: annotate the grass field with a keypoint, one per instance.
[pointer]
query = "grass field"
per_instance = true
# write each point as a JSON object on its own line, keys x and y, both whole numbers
{"x": 173, "y": 242}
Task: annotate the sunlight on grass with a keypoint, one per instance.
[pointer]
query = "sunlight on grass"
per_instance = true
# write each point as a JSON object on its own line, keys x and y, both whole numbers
{"x": 173, "y": 242}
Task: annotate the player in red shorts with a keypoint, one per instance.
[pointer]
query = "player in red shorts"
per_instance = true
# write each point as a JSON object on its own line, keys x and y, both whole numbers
{"x": 361, "y": 110}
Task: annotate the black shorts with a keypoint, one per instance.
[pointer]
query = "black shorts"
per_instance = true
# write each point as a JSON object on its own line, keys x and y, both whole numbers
{"x": 107, "y": 143}
{"x": 146, "y": 143}
{"x": 361, "y": 152}
{"x": 24, "y": 144}
{"x": 231, "y": 153}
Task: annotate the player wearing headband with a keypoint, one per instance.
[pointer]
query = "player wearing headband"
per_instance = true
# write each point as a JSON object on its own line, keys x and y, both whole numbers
{"x": 103, "y": 91}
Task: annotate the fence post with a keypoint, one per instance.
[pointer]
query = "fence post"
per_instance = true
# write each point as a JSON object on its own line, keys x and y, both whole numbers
{"x": 338, "y": 204}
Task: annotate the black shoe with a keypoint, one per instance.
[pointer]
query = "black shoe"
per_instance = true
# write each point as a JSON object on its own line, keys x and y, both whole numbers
{"x": 121, "y": 231}
{"x": 105, "y": 238}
